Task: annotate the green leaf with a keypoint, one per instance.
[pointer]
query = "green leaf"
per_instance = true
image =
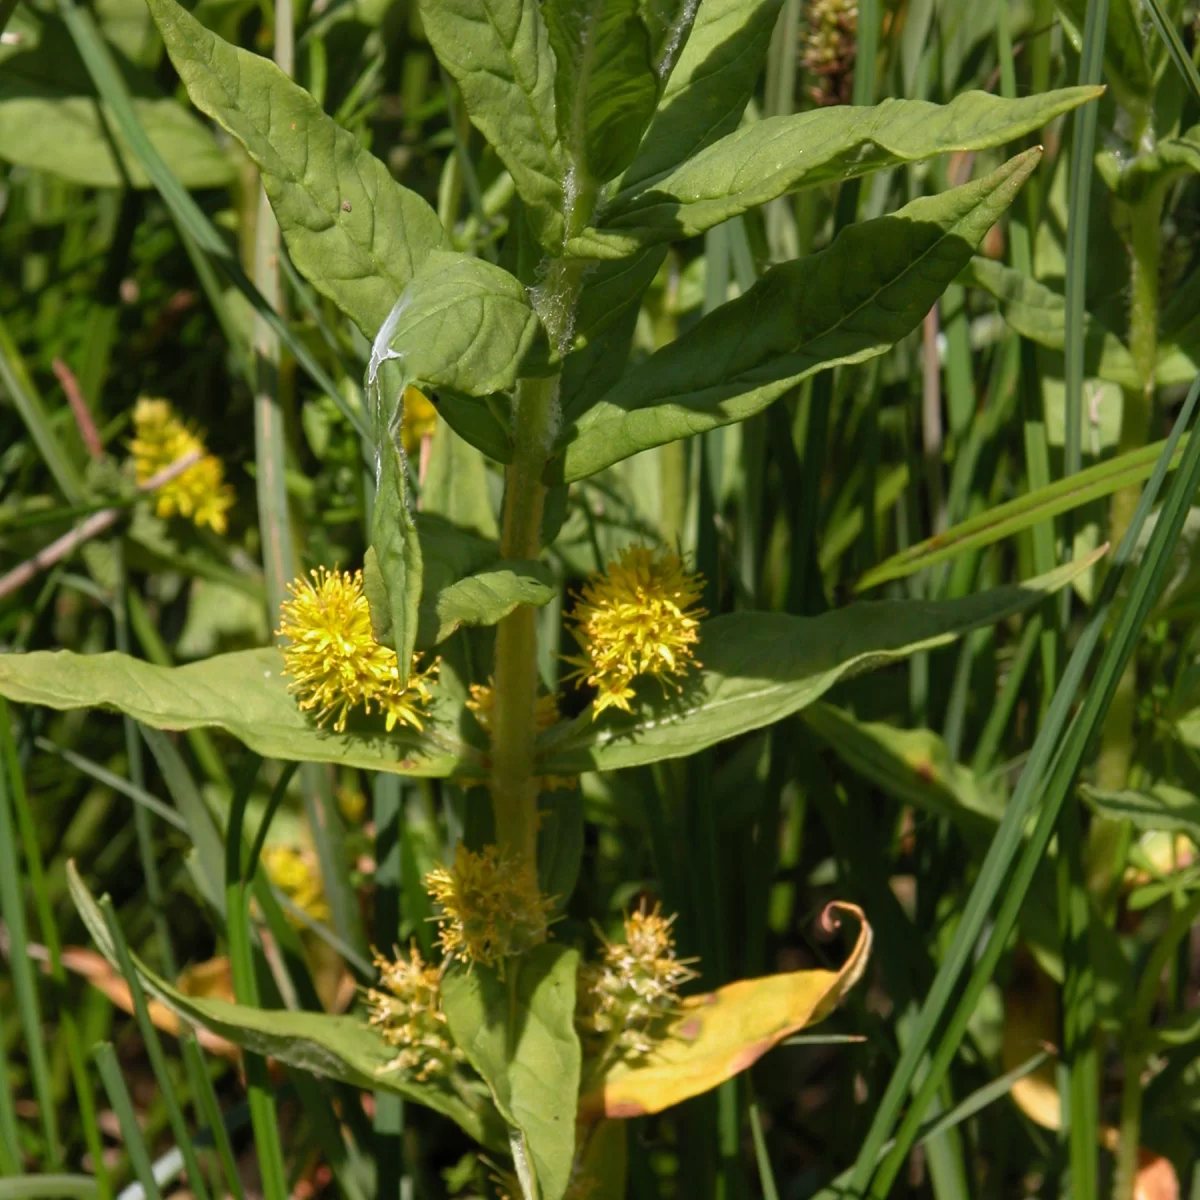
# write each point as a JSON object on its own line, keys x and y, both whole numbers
{"x": 605, "y": 320}
{"x": 460, "y": 323}
{"x": 244, "y": 693}
{"x": 456, "y": 485}
{"x": 708, "y": 88}
{"x": 1162, "y": 806}
{"x": 1038, "y": 313}
{"x": 52, "y": 119}
{"x": 760, "y": 667}
{"x": 350, "y": 228}
{"x": 519, "y": 1034}
{"x": 914, "y": 765}
{"x": 395, "y": 560}
{"x": 344, "y": 1048}
{"x": 848, "y": 303}
{"x": 467, "y": 583}
{"x": 488, "y": 596}
{"x": 767, "y": 158}
{"x": 668, "y": 24}
{"x": 1132, "y": 178}
{"x": 605, "y": 87}
{"x": 498, "y": 51}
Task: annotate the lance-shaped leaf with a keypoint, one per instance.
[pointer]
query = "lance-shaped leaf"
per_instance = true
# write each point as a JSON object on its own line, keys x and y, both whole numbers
{"x": 1038, "y": 313}
{"x": 244, "y": 693}
{"x": 499, "y": 54}
{"x": 350, "y": 228}
{"x": 489, "y": 595}
{"x": 52, "y": 119}
{"x": 856, "y": 299}
{"x": 522, "y": 1040}
{"x": 605, "y": 87}
{"x": 760, "y": 667}
{"x": 720, "y": 1034}
{"x": 1132, "y": 179}
{"x": 468, "y": 583}
{"x": 708, "y": 86}
{"x": 344, "y": 1048}
{"x": 460, "y": 323}
{"x": 763, "y": 160}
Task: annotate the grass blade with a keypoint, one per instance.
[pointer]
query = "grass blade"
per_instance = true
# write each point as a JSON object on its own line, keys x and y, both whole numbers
{"x": 995, "y": 874}
{"x": 12, "y": 908}
{"x": 50, "y": 1187}
{"x": 209, "y": 1115}
{"x": 1025, "y": 511}
{"x": 158, "y": 1060}
{"x": 1081, "y": 1098}
{"x": 245, "y": 986}
{"x": 122, "y": 1105}
{"x": 68, "y": 1027}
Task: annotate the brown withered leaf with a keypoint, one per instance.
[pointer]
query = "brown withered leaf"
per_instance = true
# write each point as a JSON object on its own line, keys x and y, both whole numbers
{"x": 717, "y": 1035}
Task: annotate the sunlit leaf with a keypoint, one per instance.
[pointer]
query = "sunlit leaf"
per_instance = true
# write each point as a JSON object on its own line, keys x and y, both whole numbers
{"x": 244, "y": 693}
{"x": 845, "y": 304}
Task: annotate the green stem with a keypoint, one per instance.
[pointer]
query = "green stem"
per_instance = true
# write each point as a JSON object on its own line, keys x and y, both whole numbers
{"x": 1116, "y": 744}
{"x": 515, "y": 679}
{"x": 1137, "y": 1049}
{"x": 514, "y": 786}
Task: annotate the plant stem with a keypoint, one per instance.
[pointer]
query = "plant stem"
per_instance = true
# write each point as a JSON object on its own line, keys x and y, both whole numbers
{"x": 514, "y": 788}
{"x": 1116, "y": 745}
{"x": 515, "y": 680}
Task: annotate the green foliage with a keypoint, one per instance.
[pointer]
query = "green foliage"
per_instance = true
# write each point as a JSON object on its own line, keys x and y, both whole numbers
{"x": 336, "y": 1047}
{"x": 244, "y": 693}
{"x": 663, "y": 288}
{"x": 350, "y": 229}
{"x": 761, "y": 667}
{"x": 519, "y": 1034}
{"x": 846, "y": 304}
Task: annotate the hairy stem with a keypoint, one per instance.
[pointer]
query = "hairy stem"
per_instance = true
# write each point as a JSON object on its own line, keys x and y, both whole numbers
{"x": 514, "y": 787}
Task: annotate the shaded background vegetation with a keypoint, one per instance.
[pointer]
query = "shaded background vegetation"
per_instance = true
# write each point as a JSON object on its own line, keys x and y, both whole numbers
{"x": 886, "y": 797}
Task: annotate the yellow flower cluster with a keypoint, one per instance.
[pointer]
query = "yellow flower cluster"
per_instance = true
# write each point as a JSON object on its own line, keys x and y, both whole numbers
{"x": 334, "y": 659}
{"x": 641, "y": 617}
{"x": 409, "y": 1015}
{"x": 625, "y": 996}
{"x": 199, "y": 493}
{"x": 296, "y": 874}
{"x": 491, "y": 906}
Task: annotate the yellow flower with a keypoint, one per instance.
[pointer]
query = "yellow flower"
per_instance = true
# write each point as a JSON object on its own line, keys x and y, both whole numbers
{"x": 491, "y": 906}
{"x": 634, "y": 986}
{"x": 334, "y": 659}
{"x": 409, "y": 1015}
{"x": 200, "y": 493}
{"x": 296, "y": 874}
{"x": 638, "y": 618}
{"x": 419, "y": 420}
